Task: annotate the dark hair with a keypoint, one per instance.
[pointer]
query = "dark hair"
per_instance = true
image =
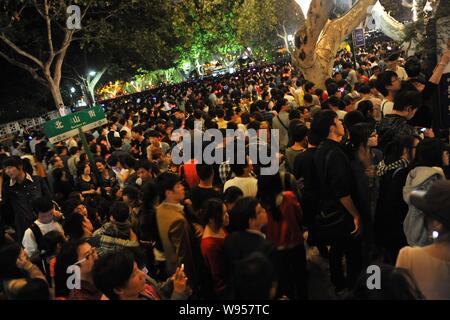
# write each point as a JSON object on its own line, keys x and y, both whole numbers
{"x": 51, "y": 240}
{"x": 394, "y": 149}
{"x": 131, "y": 192}
{"x": 112, "y": 271}
{"x": 13, "y": 161}
{"x": 308, "y": 86}
{"x": 322, "y": 122}
{"x": 299, "y": 132}
{"x": 34, "y": 289}
{"x": 166, "y": 181}
{"x": 359, "y": 135}
{"x": 120, "y": 211}
{"x": 100, "y": 160}
{"x": 138, "y": 129}
{"x": 294, "y": 114}
{"x": 384, "y": 80}
{"x": 365, "y": 107}
{"x": 405, "y": 99}
{"x": 253, "y": 278}
{"x": 116, "y": 142}
{"x": 204, "y": 171}
{"x": 68, "y": 256}
{"x": 41, "y": 205}
{"x": 413, "y": 67}
{"x": 429, "y": 153}
{"x": 352, "y": 118}
{"x": 81, "y": 166}
{"x": 397, "y": 284}
{"x": 8, "y": 258}
{"x": 212, "y": 209}
{"x": 147, "y": 165}
{"x": 58, "y": 174}
{"x": 308, "y": 98}
{"x": 268, "y": 196}
{"x": 220, "y": 113}
{"x": 232, "y": 194}
{"x": 335, "y": 102}
{"x": 255, "y": 125}
{"x": 73, "y": 150}
{"x": 364, "y": 89}
{"x": 73, "y": 226}
{"x": 332, "y": 88}
{"x": 242, "y": 212}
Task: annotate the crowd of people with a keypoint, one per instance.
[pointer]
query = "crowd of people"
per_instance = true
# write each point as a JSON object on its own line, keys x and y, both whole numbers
{"x": 362, "y": 178}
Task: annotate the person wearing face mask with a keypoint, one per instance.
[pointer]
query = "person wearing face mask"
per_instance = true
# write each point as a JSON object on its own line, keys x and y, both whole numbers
{"x": 396, "y": 124}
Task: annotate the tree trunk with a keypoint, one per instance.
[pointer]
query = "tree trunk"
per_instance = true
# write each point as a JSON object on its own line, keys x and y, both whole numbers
{"x": 57, "y": 97}
{"x": 315, "y": 57}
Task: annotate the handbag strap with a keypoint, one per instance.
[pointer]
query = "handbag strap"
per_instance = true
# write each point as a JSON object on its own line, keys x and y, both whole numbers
{"x": 278, "y": 117}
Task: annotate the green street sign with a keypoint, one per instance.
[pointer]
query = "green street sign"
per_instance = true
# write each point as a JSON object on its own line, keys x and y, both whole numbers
{"x": 68, "y": 126}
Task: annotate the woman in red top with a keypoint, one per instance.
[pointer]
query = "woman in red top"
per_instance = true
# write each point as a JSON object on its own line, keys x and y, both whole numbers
{"x": 284, "y": 230}
{"x": 216, "y": 217}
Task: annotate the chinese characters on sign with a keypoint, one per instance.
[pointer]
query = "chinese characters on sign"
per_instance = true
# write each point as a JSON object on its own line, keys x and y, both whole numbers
{"x": 68, "y": 126}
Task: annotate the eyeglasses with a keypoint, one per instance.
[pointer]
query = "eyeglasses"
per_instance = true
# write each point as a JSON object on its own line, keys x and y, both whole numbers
{"x": 90, "y": 253}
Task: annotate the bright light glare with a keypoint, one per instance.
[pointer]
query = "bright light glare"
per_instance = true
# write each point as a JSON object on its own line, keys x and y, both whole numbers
{"x": 72, "y": 90}
{"x": 92, "y": 73}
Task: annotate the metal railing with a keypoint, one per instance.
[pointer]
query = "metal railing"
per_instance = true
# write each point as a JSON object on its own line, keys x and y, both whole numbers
{"x": 28, "y": 123}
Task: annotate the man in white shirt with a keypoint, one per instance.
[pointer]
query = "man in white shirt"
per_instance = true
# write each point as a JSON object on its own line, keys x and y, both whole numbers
{"x": 243, "y": 180}
{"x": 393, "y": 63}
{"x": 44, "y": 224}
{"x": 388, "y": 84}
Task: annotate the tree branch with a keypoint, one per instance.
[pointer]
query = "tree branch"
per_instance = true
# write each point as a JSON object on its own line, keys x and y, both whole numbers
{"x": 86, "y": 10}
{"x": 61, "y": 55}
{"x": 306, "y": 38}
{"x": 349, "y": 21}
{"x": 16, "y": 16}
{"x": 26, "y": 67}
{"x": 36, "y": 6}
{"x": 49, "y": 29}
{"x": 20, "y": 51}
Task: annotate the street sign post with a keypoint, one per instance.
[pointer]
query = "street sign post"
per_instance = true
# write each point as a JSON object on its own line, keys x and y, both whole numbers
{"x": 68, "y": 126}
{"x": 80, "y": 122}
{"x": 358, "y": 38}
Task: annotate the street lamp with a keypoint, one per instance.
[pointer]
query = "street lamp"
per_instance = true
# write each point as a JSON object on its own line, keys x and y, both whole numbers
{"x": 72, "y": 90}
{"x": 92, "y": 73}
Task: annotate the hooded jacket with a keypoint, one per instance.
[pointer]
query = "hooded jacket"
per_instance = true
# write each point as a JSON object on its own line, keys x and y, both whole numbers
{"x": 420, "y": 178}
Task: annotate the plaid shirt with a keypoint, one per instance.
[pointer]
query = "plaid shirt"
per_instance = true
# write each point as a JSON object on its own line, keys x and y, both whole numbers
{"x": 105, "y": 244}
{"x": 225, "y": 172}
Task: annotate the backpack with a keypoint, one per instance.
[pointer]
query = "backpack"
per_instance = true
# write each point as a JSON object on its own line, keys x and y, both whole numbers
{"x": 41, "y": 259}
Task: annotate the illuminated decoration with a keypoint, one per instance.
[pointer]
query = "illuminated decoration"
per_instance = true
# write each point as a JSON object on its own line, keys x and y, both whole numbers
{"x": 304, "y": 4}
{"x": 386, "y": 23}
{"x": 111, "y": 90}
